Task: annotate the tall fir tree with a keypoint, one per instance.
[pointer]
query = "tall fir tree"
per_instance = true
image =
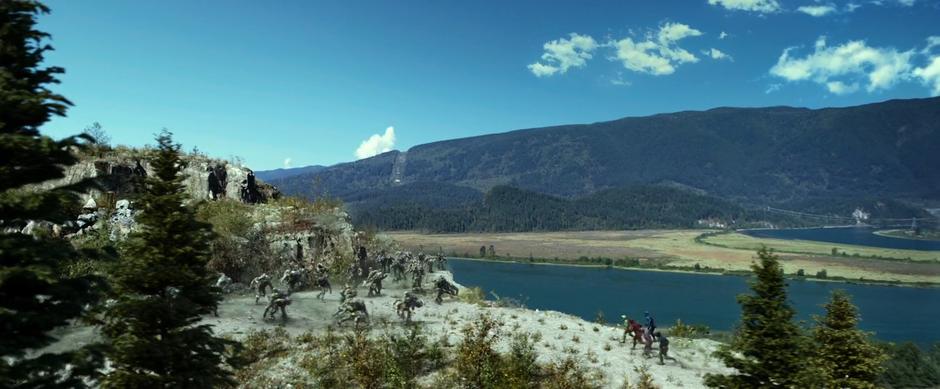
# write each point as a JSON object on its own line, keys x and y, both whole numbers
{"x": 768, "y": 349}
{"x": 844, "y": 354}
{"x": 162, "y": 288}
{"x": 35, "y": 293}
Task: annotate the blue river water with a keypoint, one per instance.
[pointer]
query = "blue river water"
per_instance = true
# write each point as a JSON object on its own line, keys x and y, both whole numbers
{"x": 862, "y": 236}
{"x": 893, "y": 313}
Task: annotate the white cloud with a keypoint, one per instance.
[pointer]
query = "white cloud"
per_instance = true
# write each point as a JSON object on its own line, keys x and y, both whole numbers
{"x": 841, "y": 88}
{"x": 718, "y": 54}
{"x": 772, "y": 88}
{"x": 930, "y": 75}
{"x": 932, "y": 41}
{"x": 671, "y": 32}
{"x": 377, "y": 144}
{"x": 659, "y": 54}
{"x": 851, "y": 7}
{"x": 619, "y": 81}
{"x": 723, "y": 35}
{"x": 763, "y": 6}
{"x": 817, "y": 10}
{"x": 907, "y": 3}
{"x": 287, "y": 163}
{"x": 563, "y": 54}
{"x": 848, "y": 64}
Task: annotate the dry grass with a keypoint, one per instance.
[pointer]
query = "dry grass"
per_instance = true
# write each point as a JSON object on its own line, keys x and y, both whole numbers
{"x": 746, "y": 242}
{"x": 676, "y": 248}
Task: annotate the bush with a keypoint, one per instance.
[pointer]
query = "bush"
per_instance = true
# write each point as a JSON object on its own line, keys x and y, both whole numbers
{"x": 645, "y": 381}
{"x": 477, "y": 363}
{"x": 521, "y": 370}
{"x": 683, "y": 330}
{"x": 822, "y": 274}
{"x": 472, "y": 295}
{"x": 260, "y": 350}
{"x": 569, "y": 374}
{"x": 408, "y": 357}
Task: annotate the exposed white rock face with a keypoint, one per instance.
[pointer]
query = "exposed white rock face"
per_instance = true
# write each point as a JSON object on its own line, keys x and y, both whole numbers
{"x": 122, "y": 221}
{"x": 118, "y": 170}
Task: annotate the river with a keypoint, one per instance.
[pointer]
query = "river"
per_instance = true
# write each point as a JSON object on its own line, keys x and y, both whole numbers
{"x": 861, "y": 236}
{"x": 892, "y": 313}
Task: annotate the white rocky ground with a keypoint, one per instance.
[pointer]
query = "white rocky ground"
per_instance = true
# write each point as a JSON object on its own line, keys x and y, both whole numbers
{"x": 562, "y": 335}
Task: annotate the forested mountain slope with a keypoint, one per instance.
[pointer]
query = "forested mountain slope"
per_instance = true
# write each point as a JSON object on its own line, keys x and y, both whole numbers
{"x": 774, "y": 154}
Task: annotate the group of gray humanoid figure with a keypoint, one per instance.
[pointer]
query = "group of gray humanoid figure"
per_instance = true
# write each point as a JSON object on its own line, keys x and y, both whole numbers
{"x": 366, "y": 272}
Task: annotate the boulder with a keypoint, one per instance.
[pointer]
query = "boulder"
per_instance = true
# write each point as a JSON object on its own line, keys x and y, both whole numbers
{"x": 91, "y": 204}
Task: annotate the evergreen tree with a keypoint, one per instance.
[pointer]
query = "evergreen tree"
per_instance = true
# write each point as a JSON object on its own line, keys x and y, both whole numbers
{"x": 844, "y": 354}
{"x": 35, "y": 294}
{"x": 162, "y": 289}
{"x": 767, "y": 350}
{"x": 908, "y": 367}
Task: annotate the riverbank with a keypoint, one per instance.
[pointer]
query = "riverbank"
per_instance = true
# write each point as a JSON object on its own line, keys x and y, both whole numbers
{"x": 742, "y": 241}
{"x": 906, "y": 234}
{"x": 600, "y": 263}
{"x": 696, "y": 298}
{"x": 665, "y": 250}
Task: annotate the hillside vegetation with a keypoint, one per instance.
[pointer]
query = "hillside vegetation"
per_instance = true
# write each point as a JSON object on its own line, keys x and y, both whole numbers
{"x": 450, "y": 208}
{"x": 757, "y": 155}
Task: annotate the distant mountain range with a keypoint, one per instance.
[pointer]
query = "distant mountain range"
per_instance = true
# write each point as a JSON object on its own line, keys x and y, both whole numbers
{"x": 276, "y": 174}
{"x": 774, "y": 155}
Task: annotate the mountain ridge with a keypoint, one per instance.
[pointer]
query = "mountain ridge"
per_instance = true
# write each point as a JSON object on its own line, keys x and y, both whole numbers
{"x": 751, "y": 155}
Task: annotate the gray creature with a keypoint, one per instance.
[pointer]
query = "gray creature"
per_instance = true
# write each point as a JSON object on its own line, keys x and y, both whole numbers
{"x": 294, "y": 279}
{"x": 352, "y": 310}
{"x": 398, "y": 268}
{"x": 261, "y": 284}
{"x": 444, "y": 287}
{"x": 375, "y": 282}
{"x": 279, "y": 301}
{"x": 418, "y": 280}
{"x": 224, "y": 283}
{"x": 406, "y": 306}
{"x": 347, "y": 293}
{"x": 323, "y": 282}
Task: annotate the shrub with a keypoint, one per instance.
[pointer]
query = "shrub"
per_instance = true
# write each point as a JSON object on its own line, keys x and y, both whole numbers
{"x": 683, "y": 330}
{"x": 477, "y": 363}
{"x": 472, "y": 295}
{"x": 569, "y": 374}
{"x": 520, "y": 368}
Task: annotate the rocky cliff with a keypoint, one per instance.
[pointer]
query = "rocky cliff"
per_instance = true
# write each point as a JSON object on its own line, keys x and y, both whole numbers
{"x": 205, "y": 178}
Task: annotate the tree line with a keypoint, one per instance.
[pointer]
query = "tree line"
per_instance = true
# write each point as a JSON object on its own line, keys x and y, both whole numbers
{"x": 509, "y": 209}
{"x": 159, "y": 289}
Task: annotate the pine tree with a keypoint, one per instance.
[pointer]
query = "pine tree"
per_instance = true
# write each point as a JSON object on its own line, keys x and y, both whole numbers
{"x": 162, "y": 289}
{"x": 844, "y": 354}
{"x": 768, "y": 349}
{"x": 35, "y": 294}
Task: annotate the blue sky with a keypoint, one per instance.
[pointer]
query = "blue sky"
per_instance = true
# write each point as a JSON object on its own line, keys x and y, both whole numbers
{"x": 310, "y": 81}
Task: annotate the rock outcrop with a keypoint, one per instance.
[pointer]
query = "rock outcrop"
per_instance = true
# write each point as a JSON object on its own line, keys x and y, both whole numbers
{"x": 120, "y": 173}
